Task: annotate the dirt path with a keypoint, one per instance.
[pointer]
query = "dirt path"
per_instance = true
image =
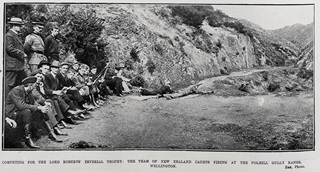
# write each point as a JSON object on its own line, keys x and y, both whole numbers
{"x": 202, "y": 122}
{"x": 208, "y": 82}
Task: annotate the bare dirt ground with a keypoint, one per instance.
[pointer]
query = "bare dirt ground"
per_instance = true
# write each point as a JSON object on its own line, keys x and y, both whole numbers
{"x": 210, "y": 122}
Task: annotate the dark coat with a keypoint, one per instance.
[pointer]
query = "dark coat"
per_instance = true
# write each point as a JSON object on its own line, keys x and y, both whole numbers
{"x": 14, "y": 54}
{"x": 51, "y": 47}
{"x": 62, "y": 81}
{"x": 18, "y": 100}
{"x": 50, "y": 84}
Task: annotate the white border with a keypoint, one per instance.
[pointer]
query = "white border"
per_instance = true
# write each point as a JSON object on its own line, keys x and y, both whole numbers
{"x": 310, "y": 159}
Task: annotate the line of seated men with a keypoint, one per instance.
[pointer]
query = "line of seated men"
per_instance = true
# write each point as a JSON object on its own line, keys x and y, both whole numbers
{"x": 56, "y": 96}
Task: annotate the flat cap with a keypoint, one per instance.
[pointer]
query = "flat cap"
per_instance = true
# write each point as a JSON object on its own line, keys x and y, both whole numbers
{"x": 29, "y": 79}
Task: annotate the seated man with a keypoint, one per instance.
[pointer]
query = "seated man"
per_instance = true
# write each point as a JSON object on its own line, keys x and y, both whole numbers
{"x": 51, "y": 85}
{"x": 192, "y": 89}
{"x": 71, "y": 91}
{"x": 125, "y": 81}
{"x": 93, "y": 89}
{"x": 59, "y": 104}
{"x": 113, "y": 82}
{"x": 82, "y": 84}
{"x": 50, "y": 120}
{"x": 80, "y": 81}
{"x": 164, "y": 89}
{"x": 97, "y": 82}
{"x": 20, "y": 108}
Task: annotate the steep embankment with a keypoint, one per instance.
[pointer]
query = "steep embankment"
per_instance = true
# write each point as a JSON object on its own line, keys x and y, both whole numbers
{"x": 276, "y": 50}
{"x": 156, "y": 46}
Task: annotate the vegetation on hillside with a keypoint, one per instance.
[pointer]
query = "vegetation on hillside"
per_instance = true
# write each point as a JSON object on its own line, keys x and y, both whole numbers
{"x": 195, "y": 15}
{"x": 80, "y": 29}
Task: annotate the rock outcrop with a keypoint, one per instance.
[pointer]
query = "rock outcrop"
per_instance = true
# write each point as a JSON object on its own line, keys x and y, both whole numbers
{"x": 156, "y": 46}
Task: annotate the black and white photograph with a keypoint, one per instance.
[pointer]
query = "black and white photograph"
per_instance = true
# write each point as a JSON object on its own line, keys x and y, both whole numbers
{"x": 186, "y": 78}
{"x": 158, "y": 76}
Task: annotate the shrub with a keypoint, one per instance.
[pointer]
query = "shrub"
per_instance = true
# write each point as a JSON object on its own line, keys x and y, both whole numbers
{"x": 273, "y": 87}
{"x": 134, "y": 55}
{"x": 190, "y": 15}
{"x": 129, "y": 64}
{"x": 239, "y": 27}
{"x": 151, "y": 66}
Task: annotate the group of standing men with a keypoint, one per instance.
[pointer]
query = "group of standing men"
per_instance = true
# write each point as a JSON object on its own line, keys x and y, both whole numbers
{"x": 23, "y": 56}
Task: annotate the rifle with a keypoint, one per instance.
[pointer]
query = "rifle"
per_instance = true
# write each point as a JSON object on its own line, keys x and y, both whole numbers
{"x": 100, "y": 74}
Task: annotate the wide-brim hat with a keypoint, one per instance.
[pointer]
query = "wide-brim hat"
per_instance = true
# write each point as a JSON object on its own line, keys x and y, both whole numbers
{"x": 29, "y": 79}
{"x": 43, "y": 62}
{"x": 15, "y": 21}
{"x": 55, "y": 63}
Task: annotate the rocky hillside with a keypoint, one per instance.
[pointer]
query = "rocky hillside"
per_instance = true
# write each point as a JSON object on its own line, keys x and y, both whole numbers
{"x": 156, "y": 46}
{"x": 302, "y": 36}
{"x": 305, "y": 59}
{"x": 277, "y": 50}
{"x": 298, "y": 34}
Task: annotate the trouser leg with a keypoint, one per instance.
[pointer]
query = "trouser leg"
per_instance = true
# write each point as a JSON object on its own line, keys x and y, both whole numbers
{"x": 10, "y": 80}
{"x": 146, "y": 92}
{"x": 51, "y": 115}
{"x": 63, "y": 105}
{"x": 51, "y": 135}
{"x": 26, "y": 117}
{"x": 69, "y": 102}
{"x": 118, "y": 86}
{"x": 59, "y": 114}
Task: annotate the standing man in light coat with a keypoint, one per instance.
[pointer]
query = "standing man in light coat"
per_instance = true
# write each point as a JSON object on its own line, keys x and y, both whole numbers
{"x": 34, "y": 46}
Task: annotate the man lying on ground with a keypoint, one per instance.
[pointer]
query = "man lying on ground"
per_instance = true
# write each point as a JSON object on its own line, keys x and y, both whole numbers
{"x": 164, "y": 89}
{"x": 192, "y": 89}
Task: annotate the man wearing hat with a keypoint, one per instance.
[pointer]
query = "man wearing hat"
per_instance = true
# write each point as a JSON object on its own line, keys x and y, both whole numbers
{"x": 59, "y": 104}
{"x": 50, "y": 119}
{"x": 15, "y": 56}
{"x": 51, "y": 85}
{"x": 51, "y": 45}
{"x": 34, "y": 46}
{"x": 20, "y": 108}
{"x": 114, "y": 82}
{"x": 72, "y": 92}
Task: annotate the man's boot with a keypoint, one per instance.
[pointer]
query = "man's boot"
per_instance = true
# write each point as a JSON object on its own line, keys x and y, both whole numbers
{"x": 52, "y": 136}
{"x": 29, "y": 142}
{"x": 65, "y": 125}
{"x": 57, "y": 131}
